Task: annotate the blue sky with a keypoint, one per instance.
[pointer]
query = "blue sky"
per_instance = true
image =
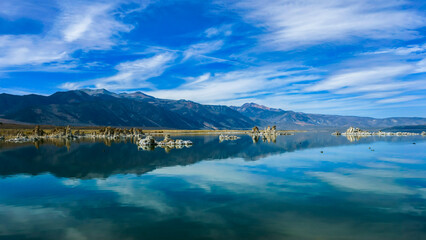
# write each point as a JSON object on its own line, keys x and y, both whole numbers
{"x": 360, "y": 57}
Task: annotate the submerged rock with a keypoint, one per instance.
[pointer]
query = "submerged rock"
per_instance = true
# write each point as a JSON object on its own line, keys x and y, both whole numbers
{"x": 228, "y": 137}
{"x": 356, "y": 131}
{"x": 77, "y": 133}
{"x": 146, "y": 147}
{"x": 68, "y": 132}
{"x": 255, "y": 130}
{"x": 269, "y": 134}
{"x": 187, "y": 142}
{"x": 38, "y": 131}
{"x": 58, "y": 132}
{"x": 166, "y": 143}
{"x": 286, "y": 133}
{"x": 147, "y": 141}
{"x": 20, "y": 137}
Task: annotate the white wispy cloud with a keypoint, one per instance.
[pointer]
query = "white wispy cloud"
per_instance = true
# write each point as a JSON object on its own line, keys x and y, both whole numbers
{"x": 76, "y": 30}
{"x": 15, "y": 9}
{"x": 79, "y": 25}
{"x": 212, "y": 88}
{"x": 399, "y": 99}
{"x": 224, "y": 30}
{"x": 130, "y": 75}
{"x": 402, "y": 86}
{"x": 361, "y": 77}
{"x": 421, "y": 66}
{"x": 27, "y": 49}
{"x": 200, "y": 49}
{"x": 288, "y": 24}
{"x": 400, "y": 50}
{"x": 374, "y": 77}
{"x": 199, "y": 79}
{"x": 400, "y": 160}
{"x": 92, "y": 26}
{"x": 368, "y": 84}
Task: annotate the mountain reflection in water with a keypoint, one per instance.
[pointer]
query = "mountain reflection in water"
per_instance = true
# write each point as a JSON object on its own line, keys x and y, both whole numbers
{"x": 103, "y": 157}
{"x": 305, "y": 186}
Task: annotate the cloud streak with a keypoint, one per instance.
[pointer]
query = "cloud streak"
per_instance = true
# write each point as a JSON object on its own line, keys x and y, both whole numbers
{"x": 361, "y": 77}
{"x": 290, "y": 24}
{"x": 130, "y": 75}
{"x": 78, "y": 26}
{"x": 200, "y": 49}
{"x": 212, "y": 88}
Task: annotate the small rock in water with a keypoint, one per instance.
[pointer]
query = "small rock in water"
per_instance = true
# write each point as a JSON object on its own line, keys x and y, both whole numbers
{"x": 414, "y": 143}
{"x": 369, "y": 147}
{"x": 322, "y": 152}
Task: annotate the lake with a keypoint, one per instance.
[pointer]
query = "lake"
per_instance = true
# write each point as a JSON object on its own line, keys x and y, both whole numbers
{"x": 306, "y": 186}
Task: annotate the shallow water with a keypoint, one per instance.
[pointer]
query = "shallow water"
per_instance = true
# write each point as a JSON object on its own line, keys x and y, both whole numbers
{"x": 228, "y": 190}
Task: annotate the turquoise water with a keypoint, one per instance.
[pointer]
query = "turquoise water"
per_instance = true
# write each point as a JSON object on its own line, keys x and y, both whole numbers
{"x": 228, "y": 190}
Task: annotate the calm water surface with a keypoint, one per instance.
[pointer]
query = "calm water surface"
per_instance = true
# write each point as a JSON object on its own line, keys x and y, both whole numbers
{"x": 229, "y": 190}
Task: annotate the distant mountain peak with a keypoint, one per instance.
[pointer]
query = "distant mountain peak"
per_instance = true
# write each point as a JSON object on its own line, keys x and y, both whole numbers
{"x": 255, "y": 105}
{"x": 132, "y": 95}
{"x": 137, "y": 94}
{"x": 96, "y": 92}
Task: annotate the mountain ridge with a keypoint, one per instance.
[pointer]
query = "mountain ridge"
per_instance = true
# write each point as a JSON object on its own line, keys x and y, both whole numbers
{"x": 90, "y": 107}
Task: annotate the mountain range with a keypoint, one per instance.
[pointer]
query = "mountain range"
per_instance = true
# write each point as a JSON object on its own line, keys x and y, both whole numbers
{"x": 264, "y": 116}
{"x": 101, "y": 108}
